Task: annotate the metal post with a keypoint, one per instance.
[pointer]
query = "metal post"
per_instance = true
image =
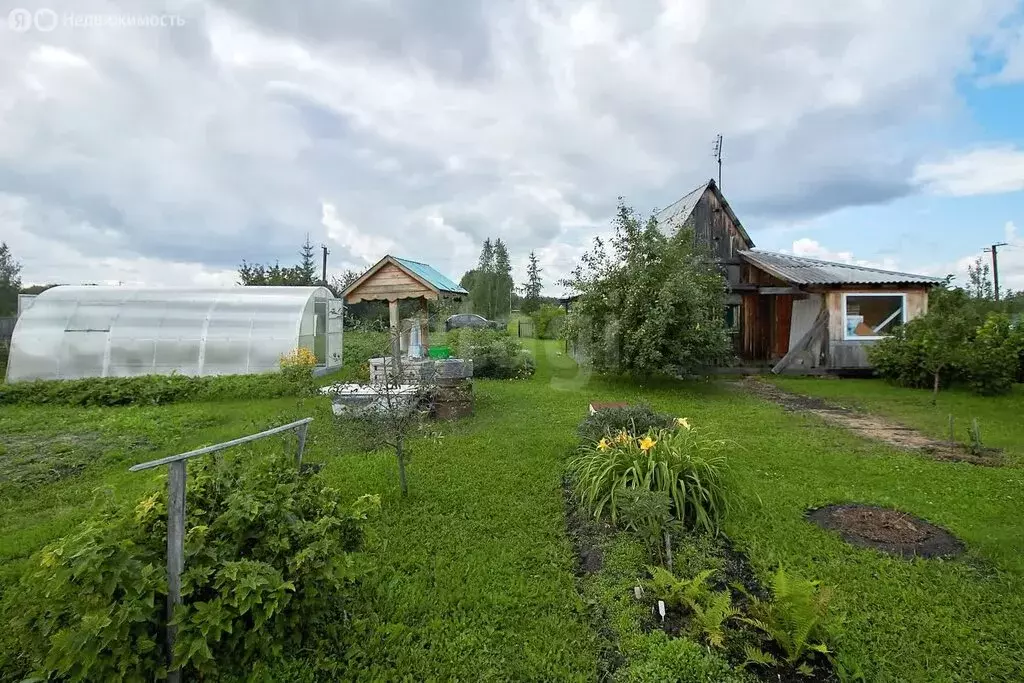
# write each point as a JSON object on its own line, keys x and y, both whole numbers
{"x": 301, "y": 432}
{"x": 175, "y": 555}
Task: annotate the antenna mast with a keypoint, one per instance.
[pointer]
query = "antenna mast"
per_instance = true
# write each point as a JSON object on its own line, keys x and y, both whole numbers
{"x": 718, "y": 157}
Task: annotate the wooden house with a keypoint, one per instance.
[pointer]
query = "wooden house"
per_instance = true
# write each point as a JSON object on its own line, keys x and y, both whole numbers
{"x": 797, "y": 314}
{"x": 804, "y": 314}
{"x": 716, "y": 228}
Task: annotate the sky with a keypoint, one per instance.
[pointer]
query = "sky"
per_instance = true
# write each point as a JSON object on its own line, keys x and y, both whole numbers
{"x": 161, "y": 143}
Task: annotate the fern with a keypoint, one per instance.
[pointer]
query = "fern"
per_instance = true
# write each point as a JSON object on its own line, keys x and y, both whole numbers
{"x": 711, "y": 609}
{"x": 710, "y": 618}
{"x": 678, "y": 592}
{"x": 759, "y": 657}
{"x": 794, "y": 617}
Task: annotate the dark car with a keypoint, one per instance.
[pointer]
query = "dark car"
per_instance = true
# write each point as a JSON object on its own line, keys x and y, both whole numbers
{"x": 461, "y": 320}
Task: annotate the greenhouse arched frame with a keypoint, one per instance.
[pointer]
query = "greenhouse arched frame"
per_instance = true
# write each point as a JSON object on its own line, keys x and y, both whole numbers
{"x": 74, "y": 332}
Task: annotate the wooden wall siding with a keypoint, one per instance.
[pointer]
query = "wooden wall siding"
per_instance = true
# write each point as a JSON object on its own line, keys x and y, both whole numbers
{"x": 390, "y": 283}
{"x": 834, "y": 301}
{"x": 757, "y": 327}
{"x": 709, "y": 220}
{"x": 917, "y": 303}
{"x": 848, "y": 355}
{"x": 754, "y": 275}
{"x": 783, "y": 314}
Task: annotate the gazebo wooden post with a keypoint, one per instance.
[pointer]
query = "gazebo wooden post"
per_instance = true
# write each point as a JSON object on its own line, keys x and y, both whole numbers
{"x": 396, "y": 332}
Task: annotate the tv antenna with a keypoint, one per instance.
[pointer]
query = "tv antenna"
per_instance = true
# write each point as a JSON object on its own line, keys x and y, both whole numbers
{"x": 718, "y": 156}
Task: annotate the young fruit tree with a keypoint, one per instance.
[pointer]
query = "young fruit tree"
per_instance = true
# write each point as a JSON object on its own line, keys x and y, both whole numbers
{"x": 399, "y": 397}
{"x": 648, "y": 303}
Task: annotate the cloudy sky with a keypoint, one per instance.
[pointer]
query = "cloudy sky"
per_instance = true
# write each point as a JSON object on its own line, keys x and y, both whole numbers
{"x": 890, "y": 133}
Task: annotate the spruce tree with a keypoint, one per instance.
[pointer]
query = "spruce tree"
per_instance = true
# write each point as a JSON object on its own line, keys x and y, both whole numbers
{"x": 502, "y": 280}
{"x": 533, "y": 285}
{"x": 306, "y": 270}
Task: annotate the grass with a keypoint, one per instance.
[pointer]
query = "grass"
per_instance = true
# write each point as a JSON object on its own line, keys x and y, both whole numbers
{"x": 1000, "y": 417}
{"x": 474, "y": 572}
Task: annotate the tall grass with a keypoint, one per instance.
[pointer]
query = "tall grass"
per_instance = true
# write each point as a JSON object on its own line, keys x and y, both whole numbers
{"x": 687, "y": 466}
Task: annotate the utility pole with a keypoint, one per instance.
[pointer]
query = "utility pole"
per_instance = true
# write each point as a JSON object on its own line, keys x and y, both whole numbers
{"x": 995, "y": 265}
{"x": 718, "y": 156}
{"x": 324, "y": 277}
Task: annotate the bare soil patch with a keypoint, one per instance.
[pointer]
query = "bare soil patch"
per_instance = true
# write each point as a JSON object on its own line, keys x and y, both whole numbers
{"x": 870, "y": 426}
{"x": 888, "y": 530}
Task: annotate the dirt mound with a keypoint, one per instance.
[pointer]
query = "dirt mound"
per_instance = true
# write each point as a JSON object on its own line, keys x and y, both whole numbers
{"x": 891, "y": 531}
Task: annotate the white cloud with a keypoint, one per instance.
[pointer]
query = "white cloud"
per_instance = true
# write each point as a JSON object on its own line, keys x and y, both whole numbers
{"x": 425, "y": 127}
{"x": 810, "y": 248}
{"x": 981, "y": 171}
{"x": 367, "y": 247}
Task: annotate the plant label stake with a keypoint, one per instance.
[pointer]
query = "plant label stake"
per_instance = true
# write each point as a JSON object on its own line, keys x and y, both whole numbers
{"x": 638, "y": 592}
{"x": 176, "y": 518}
{"x": 661, "y": 610}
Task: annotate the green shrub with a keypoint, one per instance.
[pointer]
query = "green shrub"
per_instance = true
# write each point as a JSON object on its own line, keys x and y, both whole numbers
{"x": 155, "y": 389}
{"x": 959, "y": 341}
{"x": 547, "y": 321}
{"x": 989, "y": 362}
{"x": 495, "y": 353}
{"x": 900, "y": 358}
{"x": 634, "y": 420}
{"x": 648, "y": 303}
{"x": 682, "y": 463}
{"x": 794, "y": 618}
{"x": 268, "y": 570}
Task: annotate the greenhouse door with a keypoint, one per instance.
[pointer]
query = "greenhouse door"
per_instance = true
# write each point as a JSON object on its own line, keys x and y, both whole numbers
{"x": 335, "y": 323}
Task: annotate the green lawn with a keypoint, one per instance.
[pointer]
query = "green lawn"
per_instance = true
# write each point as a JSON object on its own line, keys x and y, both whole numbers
{"x": 473, "y": 571}
{"x": 1001, "y": 418}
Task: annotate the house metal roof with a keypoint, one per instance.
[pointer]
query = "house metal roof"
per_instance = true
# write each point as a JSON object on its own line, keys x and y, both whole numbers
{"x": 672, "y": 217}
{"x": 800, "y": 270}
{"x": 431, "y": 276}
{"x": 676, "y": 213}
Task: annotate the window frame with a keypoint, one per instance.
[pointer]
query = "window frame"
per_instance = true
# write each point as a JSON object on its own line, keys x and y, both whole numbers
{"x": 903, "y": 314}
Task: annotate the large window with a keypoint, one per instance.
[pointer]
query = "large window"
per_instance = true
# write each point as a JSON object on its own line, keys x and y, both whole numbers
{"x": 872, "y": 316}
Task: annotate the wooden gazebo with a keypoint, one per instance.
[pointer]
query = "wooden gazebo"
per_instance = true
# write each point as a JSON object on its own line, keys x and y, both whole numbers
{"x": 392, "y": 279}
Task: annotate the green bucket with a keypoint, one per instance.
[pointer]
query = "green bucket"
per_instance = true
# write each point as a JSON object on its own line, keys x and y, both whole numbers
{"x": 439, "y": 352}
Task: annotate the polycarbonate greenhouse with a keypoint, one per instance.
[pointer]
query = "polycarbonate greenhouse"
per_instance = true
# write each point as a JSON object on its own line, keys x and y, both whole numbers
{"x": 74, "y": 332}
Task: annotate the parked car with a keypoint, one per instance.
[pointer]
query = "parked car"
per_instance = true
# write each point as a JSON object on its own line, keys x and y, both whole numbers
{"x": 460, "y": 320}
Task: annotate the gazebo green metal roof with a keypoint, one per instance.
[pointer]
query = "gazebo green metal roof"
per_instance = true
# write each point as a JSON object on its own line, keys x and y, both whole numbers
{"x": 431, "y": 275}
